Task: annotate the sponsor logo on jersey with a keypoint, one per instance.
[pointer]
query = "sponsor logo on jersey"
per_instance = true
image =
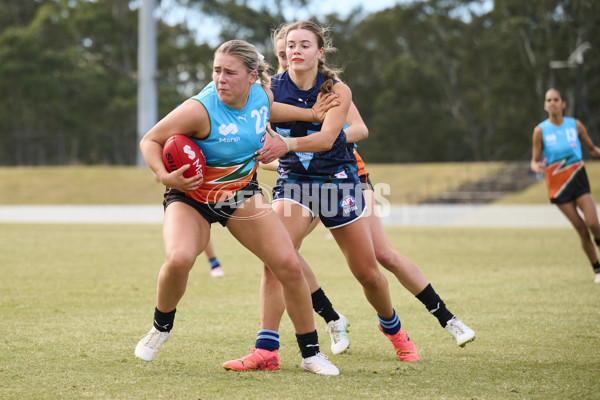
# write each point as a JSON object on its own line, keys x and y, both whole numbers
{"x": 283, "y": 132}
{"x": 229, "y": 140}
{"x": 230, "y": 129}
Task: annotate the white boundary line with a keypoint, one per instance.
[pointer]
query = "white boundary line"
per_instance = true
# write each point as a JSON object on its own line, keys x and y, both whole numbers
{"x": 470, "y": 215}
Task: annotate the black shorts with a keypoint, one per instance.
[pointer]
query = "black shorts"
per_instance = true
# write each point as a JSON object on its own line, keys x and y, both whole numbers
{"x": 214, "y": 212}
{"x": 578, "y": 186}
{"x": 365, "y": 182}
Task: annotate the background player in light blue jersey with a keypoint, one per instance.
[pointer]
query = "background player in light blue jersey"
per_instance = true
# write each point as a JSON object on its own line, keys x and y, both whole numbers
{"x": 557, "y": 153}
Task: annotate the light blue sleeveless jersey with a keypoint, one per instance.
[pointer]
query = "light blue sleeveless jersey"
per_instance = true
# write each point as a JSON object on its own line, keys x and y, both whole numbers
{"x": 561, "y": 143}
{"x": 235, "y": 135}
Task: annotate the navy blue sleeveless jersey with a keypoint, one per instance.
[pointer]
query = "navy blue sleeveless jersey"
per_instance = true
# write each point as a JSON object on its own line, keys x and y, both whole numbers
{"x": 325, "y": 163}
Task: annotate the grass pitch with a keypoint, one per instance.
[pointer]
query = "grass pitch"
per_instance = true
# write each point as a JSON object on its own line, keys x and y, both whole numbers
{"x": 74, "y": 300}
{"x": 409, "y": 183}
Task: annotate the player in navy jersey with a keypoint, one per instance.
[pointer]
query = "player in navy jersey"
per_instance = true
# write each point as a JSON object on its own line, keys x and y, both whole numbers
{"x": 318, "y": 177}
{"x": 228, "y": 120}
{"x": 406, "y": 271}
{"x": 557, "y": 153}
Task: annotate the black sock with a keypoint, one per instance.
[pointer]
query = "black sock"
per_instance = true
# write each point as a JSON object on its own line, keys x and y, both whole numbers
{"x": 323, "y": 306}
{"x": 164, "y": 321}
{"x": 309, "y": 344}
{"x": 597, "y": 240}
{"x": 435, "y": 305}
{"x": 596, "y": 267}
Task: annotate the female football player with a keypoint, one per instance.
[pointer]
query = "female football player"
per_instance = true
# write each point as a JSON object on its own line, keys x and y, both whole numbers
{"x": 228, "y": 120}
{"x": 318, "y": 177}
{"x": 557, "y": 153}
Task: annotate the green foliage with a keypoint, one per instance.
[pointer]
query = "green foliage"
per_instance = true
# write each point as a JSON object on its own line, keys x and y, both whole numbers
{"x": 434, "y": 80}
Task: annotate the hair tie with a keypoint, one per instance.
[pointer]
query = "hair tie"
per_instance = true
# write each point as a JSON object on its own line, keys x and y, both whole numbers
{"x": 260, "y": 56}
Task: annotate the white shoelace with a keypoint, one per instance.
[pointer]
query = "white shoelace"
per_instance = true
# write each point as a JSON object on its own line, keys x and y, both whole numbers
{"x": 457, "y": 327}
{"x": 152, "y": 338}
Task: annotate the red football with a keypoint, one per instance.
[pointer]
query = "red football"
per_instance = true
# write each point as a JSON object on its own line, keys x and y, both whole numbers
{"x": 180, "y": 150}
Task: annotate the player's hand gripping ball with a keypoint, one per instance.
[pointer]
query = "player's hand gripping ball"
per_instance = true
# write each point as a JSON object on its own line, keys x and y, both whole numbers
{"x": 180, "y": 150}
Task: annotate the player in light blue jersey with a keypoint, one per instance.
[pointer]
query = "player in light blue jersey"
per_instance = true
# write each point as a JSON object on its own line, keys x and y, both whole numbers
{"x": 228, "y": 120}
{"x": 557, "y": 153}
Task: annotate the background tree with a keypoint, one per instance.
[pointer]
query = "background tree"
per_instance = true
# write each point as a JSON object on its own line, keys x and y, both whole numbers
{"x": 435, "y": 80}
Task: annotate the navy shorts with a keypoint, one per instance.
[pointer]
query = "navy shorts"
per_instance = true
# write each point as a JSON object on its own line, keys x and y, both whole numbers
{"x": 338, "y": 201}
{"x": 578, "y": 186}
{"x": 219, "y": 212}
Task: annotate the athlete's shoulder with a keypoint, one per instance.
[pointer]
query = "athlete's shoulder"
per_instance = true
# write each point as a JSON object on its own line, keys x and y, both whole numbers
{"x": 259, "y": 89}
{"x": 544, "y": 124}
{"x": 208, "y": 92}
{"x": 277, "y": 80}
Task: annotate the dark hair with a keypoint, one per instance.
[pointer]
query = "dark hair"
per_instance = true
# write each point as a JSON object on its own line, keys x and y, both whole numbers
{"x": 557, "y": 91}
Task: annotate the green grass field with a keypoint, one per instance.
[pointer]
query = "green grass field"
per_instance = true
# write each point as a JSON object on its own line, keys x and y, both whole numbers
{"x": 75, "y": 299}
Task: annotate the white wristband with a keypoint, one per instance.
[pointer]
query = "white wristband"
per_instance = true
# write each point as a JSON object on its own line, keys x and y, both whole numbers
{"x": 290, "y": 143}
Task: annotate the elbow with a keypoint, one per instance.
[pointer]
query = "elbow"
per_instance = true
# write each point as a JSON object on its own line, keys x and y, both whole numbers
{"x": 327, "y": 145}
{"x": 322, "y": 146}
{"x": 366, "y": 133}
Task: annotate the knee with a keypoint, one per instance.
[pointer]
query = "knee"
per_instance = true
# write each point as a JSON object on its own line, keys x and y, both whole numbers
{"x": 371, "y": 279}
{"x": 583, "y": 232}
{"x": 386, "y": 258}
{"x": 593, "y": 226}
{"x": 179, "y": 262}
{"x": 287, "y": 268}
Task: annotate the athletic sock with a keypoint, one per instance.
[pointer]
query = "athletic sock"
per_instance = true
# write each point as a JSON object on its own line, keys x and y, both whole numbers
{"x": 309, "y": 344}
{"x": 323, "y": 306}
{"x": 164, "y": 321}
{"x": 596, "y": 267}
{"x": 267, "y": 340}
{"x": 214, "y": 263}
{"x": 390, "y": 326}
{"x": 435, "y": 305}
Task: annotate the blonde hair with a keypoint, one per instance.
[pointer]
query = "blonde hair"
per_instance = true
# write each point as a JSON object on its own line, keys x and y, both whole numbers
{"x": 249, "y": 56}
{"x": 323, "y": 41}
{"x": 277, "y": 35}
